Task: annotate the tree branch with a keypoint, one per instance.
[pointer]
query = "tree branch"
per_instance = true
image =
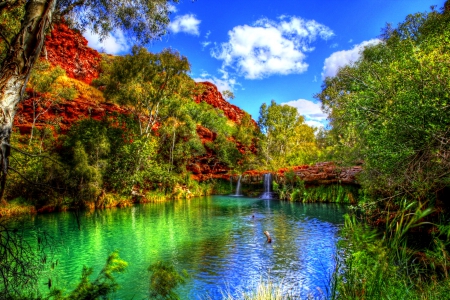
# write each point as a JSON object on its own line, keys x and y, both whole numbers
{"x": 5, "y": 39}
{"x": 33, "y": 183}
{"x": 35, "y": 155}
{"x": 72, "y": 6}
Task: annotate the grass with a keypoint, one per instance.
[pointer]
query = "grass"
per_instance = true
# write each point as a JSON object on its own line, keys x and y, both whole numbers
{"x": 268, "y": 290}
{"x": 333, "y": 193}
{"x": 384, "y": 264}
{"x": 15, "y": 207}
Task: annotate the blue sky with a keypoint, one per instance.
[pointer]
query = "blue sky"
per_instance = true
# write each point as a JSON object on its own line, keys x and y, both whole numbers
{"x": 281, "y": 50}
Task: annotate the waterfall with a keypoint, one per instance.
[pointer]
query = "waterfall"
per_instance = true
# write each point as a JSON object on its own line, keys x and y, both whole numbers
{"x": 238, "y": 188}
{"x": 267, "y": 187}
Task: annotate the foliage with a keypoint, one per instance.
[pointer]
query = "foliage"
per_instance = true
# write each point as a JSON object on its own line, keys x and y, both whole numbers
{"x": 145, "y": 20}
{"x": 9, "y": 26}
{"x": 263, "y": 291}
{"x": 21, "y": 260}
{"x": 164, "y": 279}
{"x": 38, "y": 174}
{"x": 51, "y": 82}
{"x": 386, "y": 266}
{"x": 138, "y": 153}
{"x": 50, "y": 86}
{"x": 286, "y": 140}
{"x": 146, "y": 82}
{"x": 390, "y": 108}
{"x": 294, "y": 189}
{"x": 227, "y": 94}
{"x": 101, "y": 287}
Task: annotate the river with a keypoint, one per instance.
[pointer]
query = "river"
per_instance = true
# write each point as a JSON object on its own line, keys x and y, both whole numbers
{"x": 218, "y": 240}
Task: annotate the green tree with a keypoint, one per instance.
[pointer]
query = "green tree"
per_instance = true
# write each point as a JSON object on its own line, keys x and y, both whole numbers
{"x": 146, "y": 81}
{"x": 286, "y": 139}
{"x": 178, "y": 138}
{"x": 143, "y": 19}
{"x": 390, "y": 109}
{"x": 227, "y": 94}
{"x": 48, "y": 90}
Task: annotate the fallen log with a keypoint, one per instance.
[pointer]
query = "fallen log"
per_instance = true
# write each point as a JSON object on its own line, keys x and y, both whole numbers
{"x": 269, "y": 239}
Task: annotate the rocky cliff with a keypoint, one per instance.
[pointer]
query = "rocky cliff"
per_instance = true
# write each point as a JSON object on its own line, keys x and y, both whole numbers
{"x": 68, "y": 49}
{"x": 318, "y": 174}
{"x": 212, "y": 96}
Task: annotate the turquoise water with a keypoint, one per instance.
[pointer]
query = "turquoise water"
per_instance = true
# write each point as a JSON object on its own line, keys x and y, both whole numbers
{"x": 218, "y": 240}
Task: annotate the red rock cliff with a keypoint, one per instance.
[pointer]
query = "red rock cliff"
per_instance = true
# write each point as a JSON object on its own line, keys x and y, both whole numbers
{"x": 320, "y": 173}
{"x": 212, "y": 96}
{"x": 68, "y": 49}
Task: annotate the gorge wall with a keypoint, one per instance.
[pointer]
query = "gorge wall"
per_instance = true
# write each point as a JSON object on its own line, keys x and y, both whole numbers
{"x": 319, "y": 174}
{"x": 69, "y": 50}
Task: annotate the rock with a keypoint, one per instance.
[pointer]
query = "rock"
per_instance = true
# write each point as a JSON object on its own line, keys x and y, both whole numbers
{"x": 68, "y": 49}
{"x": 320, "y": 173}
{"x": 212, "y": 96}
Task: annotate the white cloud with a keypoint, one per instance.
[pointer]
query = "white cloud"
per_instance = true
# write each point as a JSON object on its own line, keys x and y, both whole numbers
{"x": 208, "y": 34}
{"x": 335, "y": 45}
{"x": 186, "y": 23}
{"x": 312, "y": 111}
{"x": 345, "y": 57}
{"x": 270, "y": 47}
{"x": 115, "y": 43}
{"x": 205, "y": 44}
{"x": 172, "y": 8}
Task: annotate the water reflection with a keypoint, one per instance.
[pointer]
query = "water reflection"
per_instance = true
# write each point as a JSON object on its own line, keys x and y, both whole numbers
{"x": 218, "y": 240}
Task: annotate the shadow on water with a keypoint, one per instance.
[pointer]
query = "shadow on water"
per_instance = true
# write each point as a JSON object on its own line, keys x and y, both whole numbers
{"x": 218, "y": 240}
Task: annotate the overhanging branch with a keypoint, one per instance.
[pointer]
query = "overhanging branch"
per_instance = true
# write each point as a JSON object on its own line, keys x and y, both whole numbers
{"x": 72, "y": 6}
{"x": 35, "y": 155}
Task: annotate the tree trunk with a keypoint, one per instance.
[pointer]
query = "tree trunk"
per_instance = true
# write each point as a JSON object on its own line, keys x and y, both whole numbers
{"x": 15, "y": 71}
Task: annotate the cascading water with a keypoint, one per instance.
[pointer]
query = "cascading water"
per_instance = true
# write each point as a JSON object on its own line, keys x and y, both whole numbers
{"x": 268, "y": 194}
{"x": 238, "y": 192}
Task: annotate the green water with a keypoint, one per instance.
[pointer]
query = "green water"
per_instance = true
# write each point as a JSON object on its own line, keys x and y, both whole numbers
{"x": 218, "y": 240}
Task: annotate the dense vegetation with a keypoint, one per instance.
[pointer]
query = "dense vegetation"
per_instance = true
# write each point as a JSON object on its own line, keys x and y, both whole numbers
{"x": 389, "y": 111}
{"x": 143, "y": 152}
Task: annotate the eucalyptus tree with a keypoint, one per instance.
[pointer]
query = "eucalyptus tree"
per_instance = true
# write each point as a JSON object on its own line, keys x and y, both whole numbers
{"x": 145, "y": 81}
{"x": 142, "y": 19}
{"x": 393, "y": 105}
{"x": 284, "y": 135}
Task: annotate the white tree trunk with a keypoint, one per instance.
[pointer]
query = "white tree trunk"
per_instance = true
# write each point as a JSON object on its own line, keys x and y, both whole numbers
{"x": 14, "y": 73}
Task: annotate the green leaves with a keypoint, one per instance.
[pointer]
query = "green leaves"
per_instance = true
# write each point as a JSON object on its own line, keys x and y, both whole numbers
{"x": 146, "y": 82}
{"x": 143, "y": 20}
{"x": 286, "y": 140}
{"x": 390, "y": 108}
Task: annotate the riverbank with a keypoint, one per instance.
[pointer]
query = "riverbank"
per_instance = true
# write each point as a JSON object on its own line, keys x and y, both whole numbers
{"x": 335, "y": 193}
{"x": 21, "y": 206}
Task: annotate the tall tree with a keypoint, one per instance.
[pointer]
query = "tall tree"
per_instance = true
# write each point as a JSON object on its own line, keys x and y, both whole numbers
{"x": 142, "y": 19}
{"x": 285, "y": 137}
{"x": 145, "y": 81}
{"x": 393, "y": 105}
